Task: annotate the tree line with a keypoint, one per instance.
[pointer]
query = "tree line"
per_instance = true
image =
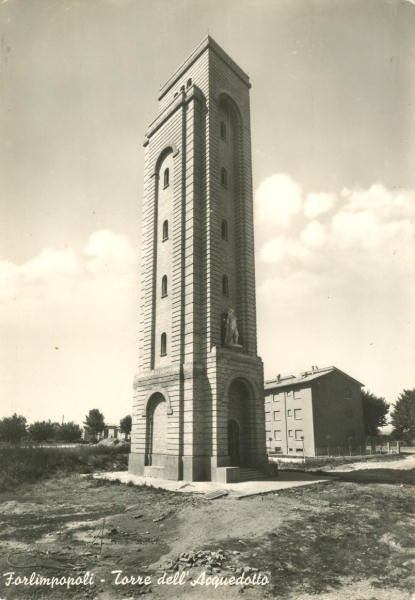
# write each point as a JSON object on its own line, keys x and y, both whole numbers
{"x": 14, "y": 429}
{"x": 402, "y": 415}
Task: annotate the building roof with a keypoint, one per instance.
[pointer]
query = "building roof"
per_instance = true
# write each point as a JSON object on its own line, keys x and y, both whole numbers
{"x": 314, "y": 373}
{"x": 207, "y": 42}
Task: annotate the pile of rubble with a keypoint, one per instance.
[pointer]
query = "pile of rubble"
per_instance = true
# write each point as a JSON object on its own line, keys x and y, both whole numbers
{"x": 212, "y": 561}
{"x": 219, "y": 564}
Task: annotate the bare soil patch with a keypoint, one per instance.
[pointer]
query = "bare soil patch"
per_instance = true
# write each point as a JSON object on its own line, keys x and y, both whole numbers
{"x": 342, "y": 539}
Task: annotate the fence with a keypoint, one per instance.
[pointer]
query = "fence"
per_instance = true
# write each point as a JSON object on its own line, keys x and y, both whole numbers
{"x": 363, "y": 450}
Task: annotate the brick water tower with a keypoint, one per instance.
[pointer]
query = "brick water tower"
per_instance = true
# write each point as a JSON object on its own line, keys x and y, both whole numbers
{"x": 198, "y": 411}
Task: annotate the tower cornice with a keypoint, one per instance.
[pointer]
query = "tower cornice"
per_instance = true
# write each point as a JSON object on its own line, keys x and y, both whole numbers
{"x": 207, "y": 43}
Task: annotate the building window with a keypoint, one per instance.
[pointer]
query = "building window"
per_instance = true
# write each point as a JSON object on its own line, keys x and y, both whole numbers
{"x": 290, "y": 433}
{"x": 224, "y": 229}
{"x": 299, "y": 434}
{"x": 189, "y": 83}
{"x": 163, "y": 345}
{"x": 298, "y": 413}
{"x": 277, "y": 415}
{"x": 297, "y": 395}
{"x": 164, "y": 286}
{"x": 289, "y": 412}
{"x": 224, "y": 177}
{"x": 276, "y": 397}
{"x": 165, "y": 231}
{"x": 277, "y": 435}
{"x": 223, "y": 130}
{"x": 225, "y": 286}
{"x": 347, "y": 393}
{"x": 166, "y": 178}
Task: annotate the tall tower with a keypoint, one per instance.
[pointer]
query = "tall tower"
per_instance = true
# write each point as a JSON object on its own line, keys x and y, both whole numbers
{"x": 198, "y": 410}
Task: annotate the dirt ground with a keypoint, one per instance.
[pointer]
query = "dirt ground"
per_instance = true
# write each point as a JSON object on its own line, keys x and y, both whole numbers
{"x": 351, "y": 537}
{"x": 390, "y": 461}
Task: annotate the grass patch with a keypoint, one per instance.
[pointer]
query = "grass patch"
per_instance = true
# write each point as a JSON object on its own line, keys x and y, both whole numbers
{"x": 19, "y": 465}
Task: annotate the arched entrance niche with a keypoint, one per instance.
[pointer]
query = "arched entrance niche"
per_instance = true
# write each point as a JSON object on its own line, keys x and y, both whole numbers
{"x": 156, "y": 434}
{"x": 239, "y": 424}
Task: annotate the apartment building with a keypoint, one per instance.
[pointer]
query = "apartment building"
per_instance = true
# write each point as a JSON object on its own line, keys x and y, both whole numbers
{"x": 311, "y": 412}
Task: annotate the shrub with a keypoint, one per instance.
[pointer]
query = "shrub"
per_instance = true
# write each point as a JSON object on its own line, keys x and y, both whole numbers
{"x": 13, "y": 429}
{"x": 41, "y": 431}
{"x": 68, "y": 432}
{"x": 19, "y": 465}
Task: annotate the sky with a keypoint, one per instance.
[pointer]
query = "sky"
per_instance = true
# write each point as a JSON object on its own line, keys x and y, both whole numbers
{"x": 334, "y": 189}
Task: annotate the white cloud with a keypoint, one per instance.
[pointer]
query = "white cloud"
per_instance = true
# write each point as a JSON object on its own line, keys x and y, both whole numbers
{"x": 317, "y": 204}
{"x": 351, "y": 229}
{"x": 277, "y": 200}
{"x": 9, "y": 274}
{"x": 109, "y": 252}
{"x": 287, "y": 287}
{"x": 366, "y": 220}
{"x": 282, "y": 248}
{"x": 48, "y": 263}
{"x": 314, "y": 234}
{"x": 68, "y": 320}
{"x": 364, "y": 230}
{"x": 105, "y": 253}
{"x": 376, "y": 218}
{"x": 387, "y": 204}
{"x": 342, "y": 291}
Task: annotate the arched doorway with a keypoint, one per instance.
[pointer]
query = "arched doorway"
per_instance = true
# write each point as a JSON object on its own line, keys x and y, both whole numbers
{"x": 156, "y": 429}
{"x": 240, "y": 423}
